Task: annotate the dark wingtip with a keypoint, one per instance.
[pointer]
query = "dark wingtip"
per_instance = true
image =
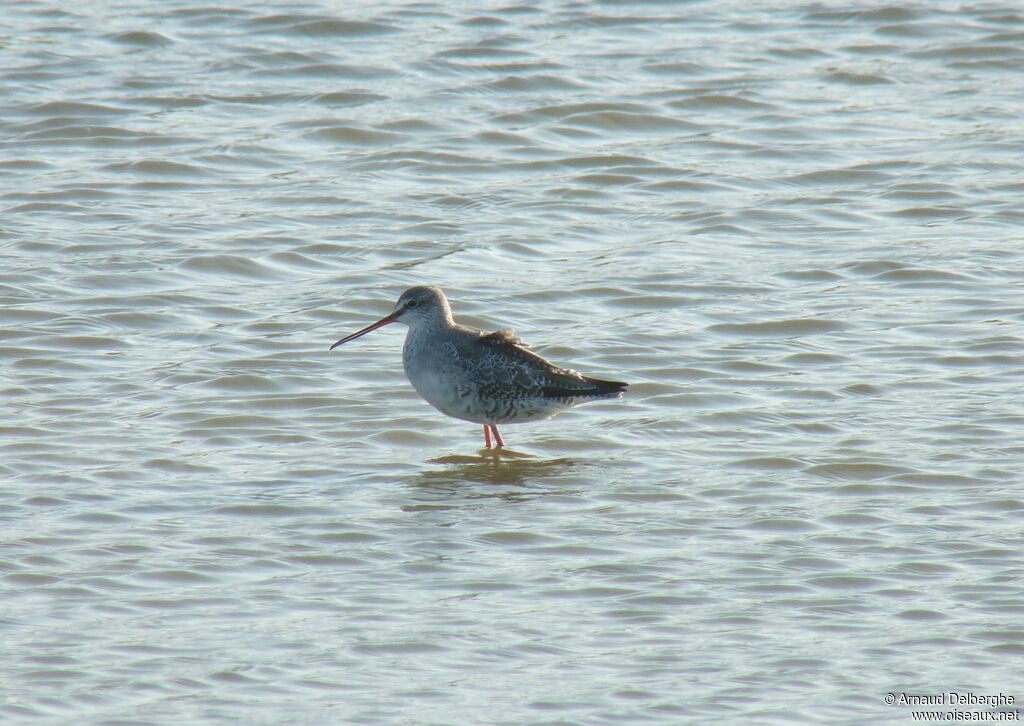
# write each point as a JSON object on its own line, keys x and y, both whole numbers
{"x": 596, "y": 388}
{"x": 608, "y": 388}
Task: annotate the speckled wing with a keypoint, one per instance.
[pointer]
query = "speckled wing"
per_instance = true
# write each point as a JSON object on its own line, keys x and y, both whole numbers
{"x": 510, "y": 371}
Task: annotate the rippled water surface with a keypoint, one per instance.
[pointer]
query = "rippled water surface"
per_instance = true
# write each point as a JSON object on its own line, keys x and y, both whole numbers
{"x": 795, "y": 228}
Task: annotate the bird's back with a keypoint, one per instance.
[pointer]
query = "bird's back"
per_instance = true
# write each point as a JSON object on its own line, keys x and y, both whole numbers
{"x": 505, "y": 382}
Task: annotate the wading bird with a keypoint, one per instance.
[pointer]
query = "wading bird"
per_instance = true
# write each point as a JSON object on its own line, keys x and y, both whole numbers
{"x": 486, "y": 378}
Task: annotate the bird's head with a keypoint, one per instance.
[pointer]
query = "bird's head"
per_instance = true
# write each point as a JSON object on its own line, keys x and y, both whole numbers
{"x": 422, "y": 305}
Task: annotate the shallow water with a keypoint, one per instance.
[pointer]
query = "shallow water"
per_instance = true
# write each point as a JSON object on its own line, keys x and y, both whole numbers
{"x": 793, "y": 227}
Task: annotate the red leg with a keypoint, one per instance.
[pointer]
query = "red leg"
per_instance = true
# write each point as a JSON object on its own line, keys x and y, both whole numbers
{"x": 487, "y": 436}
{"x": 497, "y": 436}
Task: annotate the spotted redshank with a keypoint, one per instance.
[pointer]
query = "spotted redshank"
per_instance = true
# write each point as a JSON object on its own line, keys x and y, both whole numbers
{"x": 486, "y": 378}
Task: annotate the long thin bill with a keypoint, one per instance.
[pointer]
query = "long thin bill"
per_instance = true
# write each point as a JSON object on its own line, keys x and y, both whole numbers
{"x": 379, "y": 324}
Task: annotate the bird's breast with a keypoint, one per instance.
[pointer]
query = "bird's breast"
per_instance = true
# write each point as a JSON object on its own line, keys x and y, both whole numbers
{"x": 434, "y": 370}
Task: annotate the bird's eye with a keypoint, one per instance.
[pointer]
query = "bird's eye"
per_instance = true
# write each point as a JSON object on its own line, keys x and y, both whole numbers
{"x": 412, "y": 304}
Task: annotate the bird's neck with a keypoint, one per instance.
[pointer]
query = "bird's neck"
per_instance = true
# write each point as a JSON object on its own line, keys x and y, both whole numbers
{"x": 425, "y": 329}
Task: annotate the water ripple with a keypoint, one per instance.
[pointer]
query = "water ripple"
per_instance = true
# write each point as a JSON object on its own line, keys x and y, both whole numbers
{"x": 794, "y": 230}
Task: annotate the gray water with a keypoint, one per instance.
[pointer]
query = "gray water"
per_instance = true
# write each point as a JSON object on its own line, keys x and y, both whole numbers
{"x": 793, "y": 227}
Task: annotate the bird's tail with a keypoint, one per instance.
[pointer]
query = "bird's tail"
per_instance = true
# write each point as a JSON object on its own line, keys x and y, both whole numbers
{"x": 605, "y": 389}
{"x": 584, "y": 387}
